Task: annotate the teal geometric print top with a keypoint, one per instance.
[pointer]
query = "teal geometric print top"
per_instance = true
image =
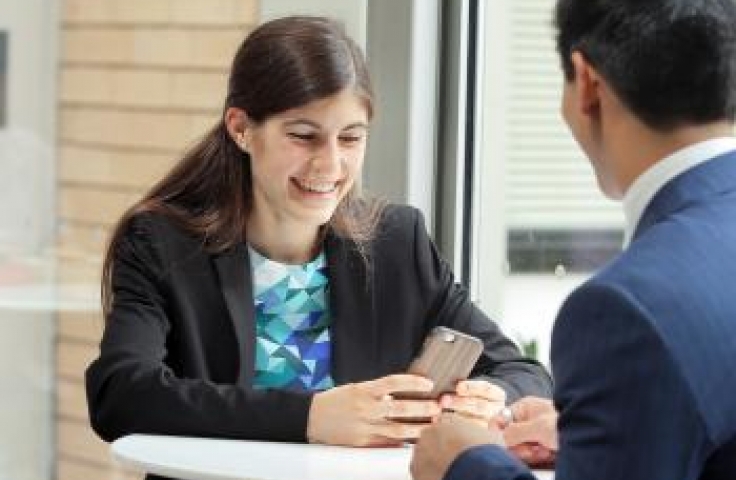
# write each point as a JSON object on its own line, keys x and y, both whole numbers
{"x": 292, "y": 324}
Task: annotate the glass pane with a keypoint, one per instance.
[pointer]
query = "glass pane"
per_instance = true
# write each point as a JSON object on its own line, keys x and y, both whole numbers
{"x": 26, "y": 335}
{"x": 3, "y": 76}
{"x": 553, "y": 227}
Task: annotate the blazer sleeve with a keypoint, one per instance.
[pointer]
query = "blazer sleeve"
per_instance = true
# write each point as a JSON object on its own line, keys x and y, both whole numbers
{"x": 449, "y": 305}
{"x": 487, "y": 462}
{"x": 626, "y": 412}
{"x": 131, "y": 389}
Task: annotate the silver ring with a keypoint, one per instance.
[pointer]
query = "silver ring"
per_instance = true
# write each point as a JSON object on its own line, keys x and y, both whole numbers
{"x": 506, "y": 417}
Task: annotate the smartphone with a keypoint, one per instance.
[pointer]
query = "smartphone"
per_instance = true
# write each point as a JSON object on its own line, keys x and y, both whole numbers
{"x": 446, "y": 357}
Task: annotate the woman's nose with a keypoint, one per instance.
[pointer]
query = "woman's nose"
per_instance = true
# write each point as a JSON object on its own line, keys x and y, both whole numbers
{"x": 328, "y": 159}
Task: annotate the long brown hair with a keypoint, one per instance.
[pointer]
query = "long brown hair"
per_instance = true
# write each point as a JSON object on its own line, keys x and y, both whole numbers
{"x": 283, "y": 64}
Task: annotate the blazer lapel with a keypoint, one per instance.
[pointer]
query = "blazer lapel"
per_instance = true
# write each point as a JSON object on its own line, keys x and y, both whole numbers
{"x": 713, "y": 177}
{"x": 233, "y": 268}
{"x": 354, "y": 335}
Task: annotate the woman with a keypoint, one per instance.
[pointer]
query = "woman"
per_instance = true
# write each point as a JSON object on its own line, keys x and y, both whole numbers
{"x": 254, "y": 294}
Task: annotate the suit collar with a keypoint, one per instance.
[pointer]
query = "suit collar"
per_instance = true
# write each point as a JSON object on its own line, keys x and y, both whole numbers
{"x": 713, "y": 177}
{"x": 233, "y": 268}
{"x": 354, "y": 330}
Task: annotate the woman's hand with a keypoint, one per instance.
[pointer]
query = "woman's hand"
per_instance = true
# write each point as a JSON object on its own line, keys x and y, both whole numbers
{"x": 358, "y": 414}
{"x": 475, "y": 399}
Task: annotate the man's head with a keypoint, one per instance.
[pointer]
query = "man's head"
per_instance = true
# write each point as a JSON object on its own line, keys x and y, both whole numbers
{"x": 669, "y": 63}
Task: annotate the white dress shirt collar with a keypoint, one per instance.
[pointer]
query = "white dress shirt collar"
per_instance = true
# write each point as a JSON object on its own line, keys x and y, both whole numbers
{"x": 641, "y": 192}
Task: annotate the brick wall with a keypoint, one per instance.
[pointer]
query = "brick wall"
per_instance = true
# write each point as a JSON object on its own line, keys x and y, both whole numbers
{"x": 139, "y": 81}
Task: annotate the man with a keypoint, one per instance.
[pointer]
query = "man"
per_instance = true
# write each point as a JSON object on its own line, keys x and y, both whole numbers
{"x": 644, "y": 353}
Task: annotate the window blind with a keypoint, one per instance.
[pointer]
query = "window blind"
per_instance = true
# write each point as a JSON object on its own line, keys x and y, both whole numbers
{"x": 549, "y": 182}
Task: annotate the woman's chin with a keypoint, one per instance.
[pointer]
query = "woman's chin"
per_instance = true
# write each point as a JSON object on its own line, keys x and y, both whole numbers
{"x": 316, "y": 217}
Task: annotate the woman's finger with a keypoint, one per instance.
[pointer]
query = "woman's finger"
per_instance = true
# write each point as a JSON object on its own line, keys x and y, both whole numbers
{"x": 398, "y": 409}
{"x": 533, "y": 454}
{"x": 541, "y": 430}
{"x": 402, "y": 382}
{"x": 471, "y": 406}
{"x": 481, "y": 389}
{"x": 398, "y": 430}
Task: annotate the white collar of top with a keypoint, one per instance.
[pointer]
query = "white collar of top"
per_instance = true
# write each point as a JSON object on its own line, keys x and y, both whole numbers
{"x": 641, "y": 192}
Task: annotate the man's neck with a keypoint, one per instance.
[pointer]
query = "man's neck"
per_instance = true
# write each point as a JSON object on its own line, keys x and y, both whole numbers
{"x": 639, "y": 148}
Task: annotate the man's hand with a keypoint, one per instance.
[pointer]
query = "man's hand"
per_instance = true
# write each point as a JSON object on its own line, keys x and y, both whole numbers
{"x": 365, "y": 414}
{"x": 440, "y": 444}
{"x": 532, "y": 436}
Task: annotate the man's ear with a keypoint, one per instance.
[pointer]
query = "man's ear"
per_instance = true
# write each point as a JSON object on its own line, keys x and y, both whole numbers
{"x": 238, "y": 126}
{"x": 587, "y": 84}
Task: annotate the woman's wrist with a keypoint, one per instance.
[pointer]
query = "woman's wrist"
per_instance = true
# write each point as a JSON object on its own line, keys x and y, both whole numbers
{"x": 315, "y": 407}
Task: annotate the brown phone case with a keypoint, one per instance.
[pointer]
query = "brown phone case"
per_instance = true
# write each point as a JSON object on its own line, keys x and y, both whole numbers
{"x": 447, "y": 357}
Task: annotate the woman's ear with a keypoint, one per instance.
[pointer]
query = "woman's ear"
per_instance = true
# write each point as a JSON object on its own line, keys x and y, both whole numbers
{"x": 239, "y": 127}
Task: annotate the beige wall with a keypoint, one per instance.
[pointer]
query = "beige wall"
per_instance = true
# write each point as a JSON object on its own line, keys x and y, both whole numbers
{"x": 139, "y": 81}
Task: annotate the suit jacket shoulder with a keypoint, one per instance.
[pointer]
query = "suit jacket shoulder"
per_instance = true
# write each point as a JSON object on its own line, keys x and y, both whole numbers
{"x": 649, "y": 340}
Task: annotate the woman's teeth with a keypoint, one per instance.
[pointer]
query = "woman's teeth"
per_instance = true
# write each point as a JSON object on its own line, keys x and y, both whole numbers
{"x": 317, "y": 187}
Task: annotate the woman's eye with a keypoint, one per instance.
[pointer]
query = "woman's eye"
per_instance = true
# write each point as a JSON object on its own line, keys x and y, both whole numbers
{"x": 351, "y": 138}
{"x": 302, "y": 136}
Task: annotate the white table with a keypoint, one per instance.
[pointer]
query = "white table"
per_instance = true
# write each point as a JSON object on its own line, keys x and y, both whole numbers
{"x": 192, "y": 458}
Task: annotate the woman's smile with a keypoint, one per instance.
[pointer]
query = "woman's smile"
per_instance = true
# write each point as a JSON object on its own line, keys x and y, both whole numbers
{"x": 321, "y": 187}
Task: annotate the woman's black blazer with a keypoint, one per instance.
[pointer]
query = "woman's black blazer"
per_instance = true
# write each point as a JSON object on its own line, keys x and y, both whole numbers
{"x": 177, "y": 355}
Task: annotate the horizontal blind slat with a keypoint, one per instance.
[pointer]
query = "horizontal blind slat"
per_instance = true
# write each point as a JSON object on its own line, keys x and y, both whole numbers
{"x": 549, "y": 182}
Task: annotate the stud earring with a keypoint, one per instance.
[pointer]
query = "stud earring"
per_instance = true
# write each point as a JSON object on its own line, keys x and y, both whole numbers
{"x": 242, "y": 142}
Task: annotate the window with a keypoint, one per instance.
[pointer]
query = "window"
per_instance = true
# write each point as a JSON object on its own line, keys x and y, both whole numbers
{"x": 3, "y": 77}
{"x": 542, "y": 226}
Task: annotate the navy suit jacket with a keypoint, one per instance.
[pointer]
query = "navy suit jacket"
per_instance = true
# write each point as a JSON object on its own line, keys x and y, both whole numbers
{"x": 644, "y": 354}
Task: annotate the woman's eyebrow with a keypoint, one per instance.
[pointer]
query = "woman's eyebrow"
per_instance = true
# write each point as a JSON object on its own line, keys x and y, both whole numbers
{"x": 300, "y": 122}
{"x": 361, "y": 125}
{"x": 303, "y": 121}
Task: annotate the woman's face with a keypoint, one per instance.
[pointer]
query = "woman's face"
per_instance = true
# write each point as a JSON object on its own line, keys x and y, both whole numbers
{"x": 305, "y": 160}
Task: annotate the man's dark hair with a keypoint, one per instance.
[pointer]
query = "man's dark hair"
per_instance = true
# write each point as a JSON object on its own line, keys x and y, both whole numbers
{"x": 672, "y": 62}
